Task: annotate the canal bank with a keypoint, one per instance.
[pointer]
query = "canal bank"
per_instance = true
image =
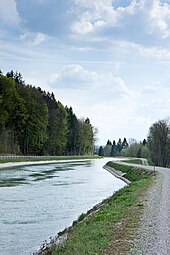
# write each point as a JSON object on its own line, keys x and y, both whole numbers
{"x": 110, "y": 228}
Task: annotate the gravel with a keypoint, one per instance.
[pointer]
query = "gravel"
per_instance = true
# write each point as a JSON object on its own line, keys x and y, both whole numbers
{"x": 153, "y": 235}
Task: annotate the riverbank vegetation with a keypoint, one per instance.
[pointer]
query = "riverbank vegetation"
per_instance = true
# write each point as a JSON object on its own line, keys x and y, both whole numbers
{"x": 123, "y": 148}
{"x": 34, "y": 159}
{"x": 134, "y": 161}
{"x": 110, "y": 229}
{"x": 156, "y": 148}
{"x": 33, "y": 122}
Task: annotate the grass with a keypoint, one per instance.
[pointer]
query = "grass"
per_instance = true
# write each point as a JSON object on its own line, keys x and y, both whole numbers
{"x": 110, "y": 229}
{"x": 150, "y": 162}
{"x": 139, "y": 161}
{"x": 32, "y": 159}
{"x": 134, "y": 161}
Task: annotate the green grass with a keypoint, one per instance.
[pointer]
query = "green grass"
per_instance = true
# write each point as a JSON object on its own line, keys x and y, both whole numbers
{"x": 134, "y": 161}
{"x": 94, "y": 234}
{"x": 150, "y": 162}
{"x": 6, "y": 160}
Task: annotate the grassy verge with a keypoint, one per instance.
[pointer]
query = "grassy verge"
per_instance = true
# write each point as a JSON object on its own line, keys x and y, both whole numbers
{"x": 150, "y": 162}
{"x": 32, "y": 159}
{"x": 134, "y": 161}
{"x": 110, "y": 229}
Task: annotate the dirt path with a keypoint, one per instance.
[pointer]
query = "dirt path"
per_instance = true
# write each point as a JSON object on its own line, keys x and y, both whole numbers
{"x": 153, "y": 235}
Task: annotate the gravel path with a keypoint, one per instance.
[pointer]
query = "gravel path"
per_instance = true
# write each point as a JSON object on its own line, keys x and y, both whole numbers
{"x": 153, "y": 237}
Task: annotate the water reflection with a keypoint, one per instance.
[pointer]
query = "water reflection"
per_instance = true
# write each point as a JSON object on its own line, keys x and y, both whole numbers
{"x": 39, "y": 201}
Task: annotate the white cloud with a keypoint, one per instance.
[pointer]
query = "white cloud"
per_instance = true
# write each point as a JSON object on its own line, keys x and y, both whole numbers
{"x": 73, "y": 76}
{"x": 33, "y": 39}
{"x": 143, "y": 20}
{"x": 148, "y": 52}
{"x": 76, "y": 76}
{"x": 160, "y": 17}
{"x": 8, "y": 13}
{"x": 82, "y": 27}
{"x": 95, "y": 15}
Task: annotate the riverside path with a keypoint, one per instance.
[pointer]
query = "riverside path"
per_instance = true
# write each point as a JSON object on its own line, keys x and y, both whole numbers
{"x": 153, "y": 235}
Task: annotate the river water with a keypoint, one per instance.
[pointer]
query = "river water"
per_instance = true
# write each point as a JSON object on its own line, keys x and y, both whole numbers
{"x": 38, "y": 201}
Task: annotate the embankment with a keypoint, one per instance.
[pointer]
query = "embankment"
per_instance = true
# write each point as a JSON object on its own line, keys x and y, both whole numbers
{"x": 109, "y": 228}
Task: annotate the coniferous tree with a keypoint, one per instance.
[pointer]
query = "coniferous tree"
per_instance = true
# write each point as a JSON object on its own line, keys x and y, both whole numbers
{"x": 72, "y": 138}
{"x": 37, "y": 124}
{"x": 144, "y": 142}
{"x": 119, "y": 145}
{"x": 101, "y": 151}
{"x": 124, "y": 144}
{"x": 113, "y": 149}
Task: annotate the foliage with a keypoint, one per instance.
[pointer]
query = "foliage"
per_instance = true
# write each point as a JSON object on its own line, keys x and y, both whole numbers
{"x": 101, "y": 151}
{"x": 113, "y": 149}
{"x": 33, "y": 122}
{"x": 130, "y": 173}
{"x": 159, "y": 142}
{"x": 137, "y": 150}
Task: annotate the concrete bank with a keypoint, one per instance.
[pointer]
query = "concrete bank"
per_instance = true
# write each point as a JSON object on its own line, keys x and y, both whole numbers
{"x": 117, "y": 174}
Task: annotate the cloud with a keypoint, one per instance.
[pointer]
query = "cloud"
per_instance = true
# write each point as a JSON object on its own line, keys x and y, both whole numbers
{"x": 93, "y": 24}
{"x": 33, "y": 38}
{"x": 76, "y": 76}
{"x": 47, "y": 17}
{"x": 8, "y": 13}
{"x": 147, "y": 52}
{"x": 142, "y": 22}
{"x": 160, "y": 17}
{"x": 73, "y": 76}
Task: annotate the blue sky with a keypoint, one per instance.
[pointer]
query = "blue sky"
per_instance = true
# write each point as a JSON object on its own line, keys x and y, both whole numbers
{"x": 108, "y": 59}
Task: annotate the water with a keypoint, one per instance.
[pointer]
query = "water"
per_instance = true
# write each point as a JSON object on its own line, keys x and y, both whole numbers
{"x": 39, "y": 201}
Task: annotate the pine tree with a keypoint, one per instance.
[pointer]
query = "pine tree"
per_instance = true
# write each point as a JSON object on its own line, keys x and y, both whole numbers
{"x": 101, "y": 151}
{"x": 125, "y": 144}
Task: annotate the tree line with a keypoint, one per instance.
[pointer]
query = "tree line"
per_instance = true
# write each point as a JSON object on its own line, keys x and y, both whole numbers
{"x": 33, "y": 122}
{"x": 113, "y": 149}
{"x": 156, "y": 146}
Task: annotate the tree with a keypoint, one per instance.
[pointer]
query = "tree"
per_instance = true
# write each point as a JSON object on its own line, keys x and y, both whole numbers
{"x": 85, "y": 137}
{"x": 137, "y": 150}
{"x": 57, "y": 128}
{"x": 73, "y": 128}
{"x": 124, "y": 144}
{"x": 144, "y": 142}
{"x": 101, "y": 151}
{"x": 119, "y": 145}
{"x": 33, "y": 122}
{"x": 107, "y": 149}
{"x": 159, "y": 142}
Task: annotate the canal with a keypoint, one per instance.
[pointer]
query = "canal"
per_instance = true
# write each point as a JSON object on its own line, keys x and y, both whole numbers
{"x": 38, "y": 201}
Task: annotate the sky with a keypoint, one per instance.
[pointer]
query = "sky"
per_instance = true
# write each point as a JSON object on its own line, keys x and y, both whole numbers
{"x": 108, "y": 59}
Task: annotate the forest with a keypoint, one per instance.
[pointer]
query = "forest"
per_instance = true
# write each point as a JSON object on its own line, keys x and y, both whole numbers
{"x": 33, "y": 122}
